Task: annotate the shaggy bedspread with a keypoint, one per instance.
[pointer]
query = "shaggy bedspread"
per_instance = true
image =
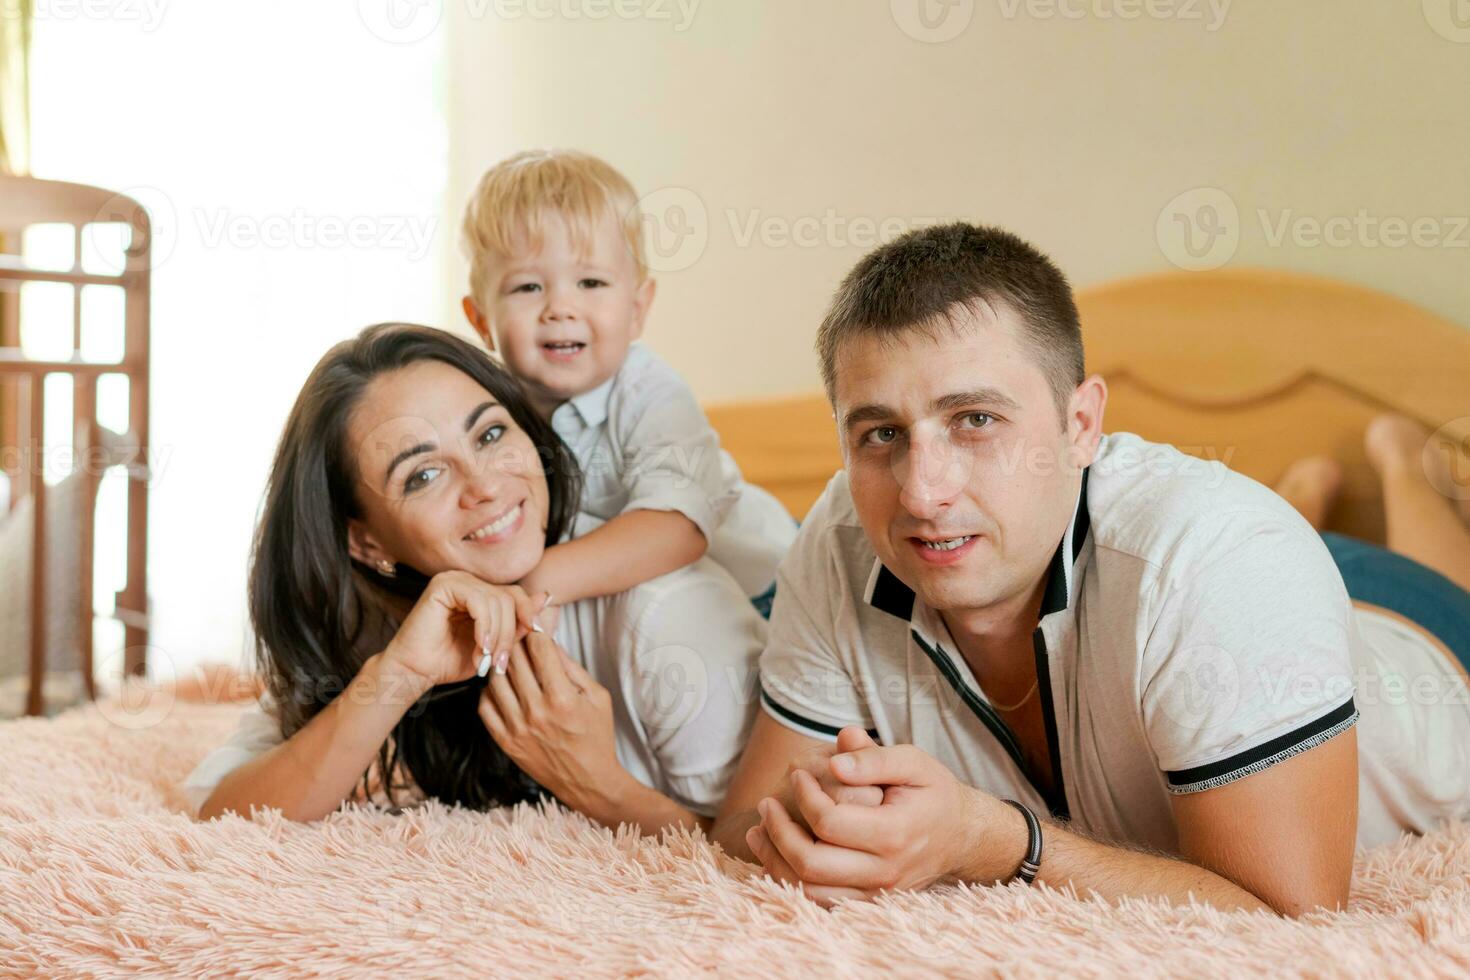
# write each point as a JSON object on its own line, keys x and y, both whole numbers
{"x": 102, "y": 873}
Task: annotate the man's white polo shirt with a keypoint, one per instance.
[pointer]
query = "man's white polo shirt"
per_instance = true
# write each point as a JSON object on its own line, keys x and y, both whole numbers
{"x": 1194, "y": 630}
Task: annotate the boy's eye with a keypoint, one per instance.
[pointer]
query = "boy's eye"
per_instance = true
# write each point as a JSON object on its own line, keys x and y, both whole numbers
{"x": 881, "y": 435}
{"x": 492, "y": 434}
{"x": 419, "y": 479}
{"x": 591, "y": 283}
{"x": 526, "y": 287}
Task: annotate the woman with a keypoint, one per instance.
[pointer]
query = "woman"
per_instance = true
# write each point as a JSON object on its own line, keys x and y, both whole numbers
{"x": 1419, "y": 583}
{"x": 412, "y": 487}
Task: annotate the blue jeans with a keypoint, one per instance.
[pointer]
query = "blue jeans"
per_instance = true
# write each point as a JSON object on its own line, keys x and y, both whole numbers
{"x": 1421, "y": 595}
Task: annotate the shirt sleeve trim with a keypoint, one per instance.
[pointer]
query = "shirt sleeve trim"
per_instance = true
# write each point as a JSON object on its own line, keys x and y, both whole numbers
{"x": 804, "y": 725}
{"x": 1262, "y": 757}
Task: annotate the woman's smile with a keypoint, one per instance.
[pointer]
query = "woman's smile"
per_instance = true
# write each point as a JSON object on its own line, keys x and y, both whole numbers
{"x": 500, "y": 528}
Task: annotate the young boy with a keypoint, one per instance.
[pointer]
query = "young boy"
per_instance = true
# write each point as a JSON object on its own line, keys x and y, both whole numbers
{"x": 558, "y": 286}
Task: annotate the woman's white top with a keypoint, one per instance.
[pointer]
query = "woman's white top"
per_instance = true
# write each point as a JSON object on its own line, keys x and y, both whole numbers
{"x": 678, "y": 654}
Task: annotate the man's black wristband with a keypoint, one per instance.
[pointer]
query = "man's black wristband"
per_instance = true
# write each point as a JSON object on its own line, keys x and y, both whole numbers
{"x": 1031, "y": 863}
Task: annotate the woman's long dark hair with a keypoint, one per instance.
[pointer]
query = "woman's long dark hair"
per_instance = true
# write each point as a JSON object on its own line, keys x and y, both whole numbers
{"x": 318, "y": 614}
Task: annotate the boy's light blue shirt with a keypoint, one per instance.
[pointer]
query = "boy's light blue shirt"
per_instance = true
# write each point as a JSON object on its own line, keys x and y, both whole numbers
{"x": 643, "y": 443}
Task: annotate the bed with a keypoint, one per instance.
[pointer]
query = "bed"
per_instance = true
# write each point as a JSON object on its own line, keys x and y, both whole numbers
{"x": 104, "y": 873}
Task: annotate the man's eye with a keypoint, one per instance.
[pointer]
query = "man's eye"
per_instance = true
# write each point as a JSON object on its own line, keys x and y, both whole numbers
{"x": 492, "y": 434}
{"x": 591, "y": 283}
{"x": 881, "y": 436}
{"x": 976, "y": 420}
{"x": 419, "y": 479}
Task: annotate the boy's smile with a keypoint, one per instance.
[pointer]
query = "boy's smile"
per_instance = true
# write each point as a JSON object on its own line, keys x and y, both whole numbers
{"x": 562, "y": 311}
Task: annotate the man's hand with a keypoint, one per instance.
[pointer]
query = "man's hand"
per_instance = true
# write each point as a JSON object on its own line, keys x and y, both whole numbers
{"x": 928, "y": 828}
{"x": 817, "y": 763}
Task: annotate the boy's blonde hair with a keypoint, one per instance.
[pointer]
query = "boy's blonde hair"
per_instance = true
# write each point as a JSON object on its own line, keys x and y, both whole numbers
{"x": 513, "y": 200}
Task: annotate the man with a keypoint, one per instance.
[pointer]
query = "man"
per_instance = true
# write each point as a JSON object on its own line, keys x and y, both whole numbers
{"x": 994, "y": 601}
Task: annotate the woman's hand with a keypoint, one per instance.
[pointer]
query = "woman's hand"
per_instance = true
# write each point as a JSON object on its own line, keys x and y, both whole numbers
{"x": 458, "y": 619}
{"x": 556, "y": 723}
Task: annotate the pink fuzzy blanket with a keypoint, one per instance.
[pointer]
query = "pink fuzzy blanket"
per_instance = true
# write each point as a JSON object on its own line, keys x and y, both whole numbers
{"x": 102, "y": 873}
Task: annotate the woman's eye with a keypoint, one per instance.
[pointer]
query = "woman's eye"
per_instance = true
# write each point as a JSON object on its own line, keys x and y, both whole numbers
{"x": 420, "y": 479}
{"x": 492, "y": 434}
{"x": 881, "y": 436}
{"x": 591, "y": 283}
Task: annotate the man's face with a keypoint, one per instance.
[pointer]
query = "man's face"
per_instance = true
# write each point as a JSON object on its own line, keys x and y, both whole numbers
{"x": 963, "y": 471}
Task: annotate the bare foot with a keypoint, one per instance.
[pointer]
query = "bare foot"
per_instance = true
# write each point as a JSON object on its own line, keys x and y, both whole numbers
{"x": 1397, "y": 445}
{"x": 1311, "y": 486}
{"x": 1394, "y": 444}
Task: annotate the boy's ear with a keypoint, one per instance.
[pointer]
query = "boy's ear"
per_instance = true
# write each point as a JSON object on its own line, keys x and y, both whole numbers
{"x": 477, "y": 320}
{"x": 362, "y": 546}
{"x": 642, "y": 300}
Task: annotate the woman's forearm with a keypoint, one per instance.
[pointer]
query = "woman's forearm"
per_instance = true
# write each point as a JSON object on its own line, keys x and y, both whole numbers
{"x": 629, "y": 801}
{"x": 311, "y": 773}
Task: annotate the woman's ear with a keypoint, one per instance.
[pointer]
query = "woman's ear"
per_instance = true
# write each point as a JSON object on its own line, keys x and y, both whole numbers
{"x": 362, "y": 546}
{"x": 478, "y": 321}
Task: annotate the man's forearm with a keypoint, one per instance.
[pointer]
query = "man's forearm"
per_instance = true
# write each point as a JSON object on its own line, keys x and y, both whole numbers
{"x": 1112, "y": 872}
{"x": 729, "y": 832}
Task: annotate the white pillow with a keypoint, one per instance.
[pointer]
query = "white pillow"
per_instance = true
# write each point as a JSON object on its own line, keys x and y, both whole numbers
{"x": 63, "y": 594}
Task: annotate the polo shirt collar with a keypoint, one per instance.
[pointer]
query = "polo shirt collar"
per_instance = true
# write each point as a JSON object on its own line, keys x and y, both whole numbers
{"x": 590, "y": 407}
{"x": 887, "y": 593}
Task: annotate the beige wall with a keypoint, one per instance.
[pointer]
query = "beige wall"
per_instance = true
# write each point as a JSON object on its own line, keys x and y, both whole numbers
{"x": 1075, "y": 131}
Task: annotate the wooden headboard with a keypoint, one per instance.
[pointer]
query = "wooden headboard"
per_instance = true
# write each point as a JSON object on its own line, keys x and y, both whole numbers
{"x": 1254, "y": 368}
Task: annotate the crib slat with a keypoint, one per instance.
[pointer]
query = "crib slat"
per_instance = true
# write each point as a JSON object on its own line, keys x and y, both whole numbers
{"x": 35, "y": 441}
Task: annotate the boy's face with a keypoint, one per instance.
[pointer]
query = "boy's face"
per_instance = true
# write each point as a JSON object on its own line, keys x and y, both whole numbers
{"x": 562, "y": 317}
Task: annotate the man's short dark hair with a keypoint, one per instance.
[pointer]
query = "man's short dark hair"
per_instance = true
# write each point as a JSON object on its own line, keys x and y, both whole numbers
{"x": 921, "y": 281}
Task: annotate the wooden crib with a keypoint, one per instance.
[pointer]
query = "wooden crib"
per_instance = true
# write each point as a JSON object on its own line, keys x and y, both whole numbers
{"x": 24, "y": 204}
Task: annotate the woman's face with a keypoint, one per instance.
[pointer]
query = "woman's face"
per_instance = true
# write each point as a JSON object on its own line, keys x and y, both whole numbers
{"x": 446, "y": 479}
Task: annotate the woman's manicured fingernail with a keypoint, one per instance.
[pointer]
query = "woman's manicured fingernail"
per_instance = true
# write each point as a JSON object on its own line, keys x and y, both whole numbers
{"x": 502, "y": 661}
{"x": 485, "y": 658}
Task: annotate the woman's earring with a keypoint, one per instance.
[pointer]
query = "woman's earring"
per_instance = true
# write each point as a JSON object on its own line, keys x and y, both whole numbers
{"x": 386, "y": 568}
